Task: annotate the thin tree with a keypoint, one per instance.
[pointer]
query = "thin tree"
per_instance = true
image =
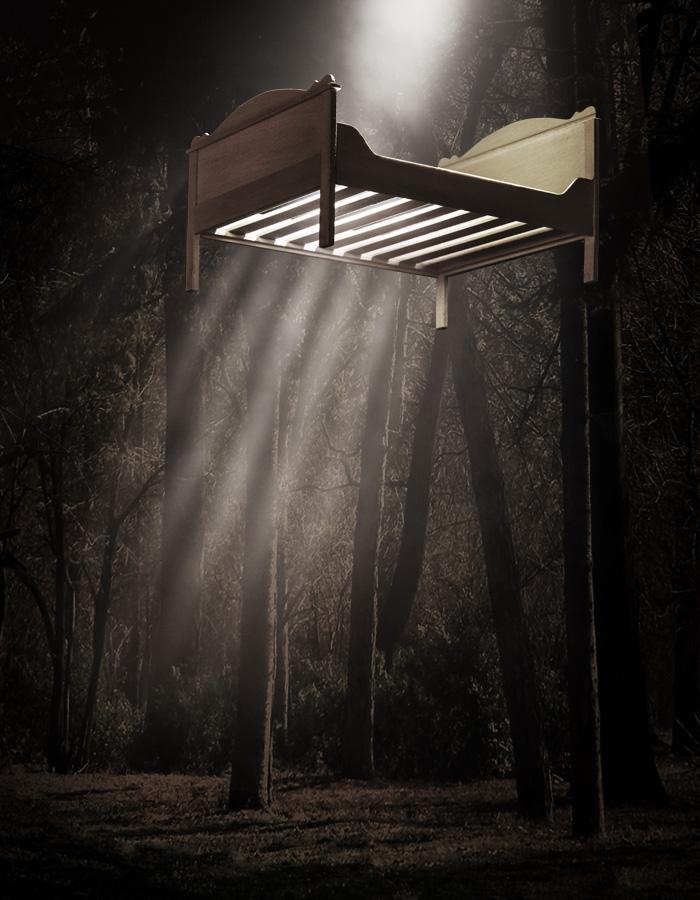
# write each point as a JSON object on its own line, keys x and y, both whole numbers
{"x": 509, "y": 613}
{"x": 588, "y": 816}
{"x": 280, "y": 708}
{"x": 180, "y": 582}
{"x": 578, "y": 77}
{"x": 251, "y": 771}
{"x": 358, "y": 735}
{"x": 395, "y": 608}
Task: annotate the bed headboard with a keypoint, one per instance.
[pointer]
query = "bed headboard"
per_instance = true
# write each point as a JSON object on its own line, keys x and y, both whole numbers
{"x": 546, "y": 154}
{"x": 269, "y": 150}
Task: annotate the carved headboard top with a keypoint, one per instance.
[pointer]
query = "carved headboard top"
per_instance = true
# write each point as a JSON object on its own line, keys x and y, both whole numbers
{"x": 547, "y": 154}
{"x": 262, "y": 106}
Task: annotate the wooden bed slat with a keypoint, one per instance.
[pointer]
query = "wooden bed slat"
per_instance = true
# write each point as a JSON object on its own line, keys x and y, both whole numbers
{"x": 430, "y": 236}
{"x": 309, "y": 203}
{"x": 375, "y": 205}
{"x": 437, "y": 217}
{"x": 484, "y": 254}
{"x": 309, "y": 220}
{"x": 473, "y": 240}
{"x": 373, "y": 229}
{"x": 277, "y": 213}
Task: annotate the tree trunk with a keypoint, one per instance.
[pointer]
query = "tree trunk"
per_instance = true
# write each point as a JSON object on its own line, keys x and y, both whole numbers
{"x": 180, "y": 583}
{"x": 3, "y": 596}
{"x": 686, "y": 593}
{"x": 281, "y": 699}
{"x": 103, "y": 599}
{"x": 58, "y": 749}
{"x": 251, "y": 771}
{"x": 517, "y": 665}
{"x": 181, "y": 573}
{"x": 280, "y": 706}
{"x": 629, "y": 769}
{"x": 586, "y": 774}
{"x": 588, "y": 817}
{"x": 135, "y": 663}
{"x": 686, "y": 672}
{"x": 396, "y": 608}
{"x": 398, "y": 372}
{"x": 358, "y": 738}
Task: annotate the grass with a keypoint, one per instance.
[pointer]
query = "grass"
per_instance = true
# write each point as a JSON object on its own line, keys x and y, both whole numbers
{"x": 119, "y": 836}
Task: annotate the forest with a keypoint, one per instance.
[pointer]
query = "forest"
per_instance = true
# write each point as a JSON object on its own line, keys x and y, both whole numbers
{"x": 298, "y": 593}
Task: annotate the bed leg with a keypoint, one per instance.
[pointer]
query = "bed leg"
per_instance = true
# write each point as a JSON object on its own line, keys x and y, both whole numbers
{"x": 590, "y": 259}
{"x": 192, "y": 263}
{"x": 192, "y": 251}
{"x": 441, "y": 302}
{"x": 326, "y": 228}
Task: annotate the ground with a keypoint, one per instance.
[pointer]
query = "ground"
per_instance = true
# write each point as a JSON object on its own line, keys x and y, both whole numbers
{"x": 117, "y": 836}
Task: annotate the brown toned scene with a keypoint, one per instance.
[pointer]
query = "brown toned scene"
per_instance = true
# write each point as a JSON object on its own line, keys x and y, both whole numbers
{"x": 349, "y": 428}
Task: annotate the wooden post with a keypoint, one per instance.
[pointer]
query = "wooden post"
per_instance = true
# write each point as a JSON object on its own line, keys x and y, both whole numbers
{"x": 441, "y": 302}
{"x": 326, "y": 228}
{"x": 590, "y": 243}
{"x": 586, "y": 775}
{"x": 193, "y": 239}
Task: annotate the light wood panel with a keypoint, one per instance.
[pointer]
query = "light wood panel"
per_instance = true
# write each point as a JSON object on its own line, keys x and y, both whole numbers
{"x": 545, "y": 154}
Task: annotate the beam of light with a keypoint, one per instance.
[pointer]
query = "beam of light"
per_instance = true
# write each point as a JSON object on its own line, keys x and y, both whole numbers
{"x": 344, "y": 220}
{"x": 468, "y": 250}
{"x": 321, "y": 369}
{"x": 304, "y": 303}
{"x": 252, "y": 219}
{"x": 399, "y": 51}
{"x": 304, "y": 217}
{"x": 406, "y": 229}
{"x": 373, "y": 226}
{"x": 441, "y": 232}
{"x": 233, "y": 277}
{"x": 456, "y": 242}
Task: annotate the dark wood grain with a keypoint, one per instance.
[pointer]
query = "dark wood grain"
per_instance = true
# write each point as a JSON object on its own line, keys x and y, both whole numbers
{"x": 359, "y": 167}
{"x": 277, "y": 143}
{"x": 263, "y": 106}
{"x": 326, "y": 228}
{"x": 192, "y": 240}
{"x": 255, "y": 196}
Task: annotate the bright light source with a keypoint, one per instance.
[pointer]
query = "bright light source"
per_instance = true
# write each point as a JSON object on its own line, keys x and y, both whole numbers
{"x": 399, "y": 51}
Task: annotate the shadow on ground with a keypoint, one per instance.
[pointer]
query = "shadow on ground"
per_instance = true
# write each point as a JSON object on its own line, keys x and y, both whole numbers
{"x": 146, "y": 835}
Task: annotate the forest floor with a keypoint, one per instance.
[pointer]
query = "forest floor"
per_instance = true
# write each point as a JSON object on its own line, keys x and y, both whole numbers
{"x": 118, "y": 836}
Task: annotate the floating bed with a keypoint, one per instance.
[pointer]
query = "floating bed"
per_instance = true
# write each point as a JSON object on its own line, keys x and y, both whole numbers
{"x": 281, "y": 173}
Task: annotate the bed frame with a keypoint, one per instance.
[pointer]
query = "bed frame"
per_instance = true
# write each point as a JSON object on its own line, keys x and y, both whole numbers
{"x": 281, "y": 173}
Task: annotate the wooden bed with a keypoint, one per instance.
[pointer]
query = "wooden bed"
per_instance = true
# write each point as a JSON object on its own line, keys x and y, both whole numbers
{"x": 281, "y": 173}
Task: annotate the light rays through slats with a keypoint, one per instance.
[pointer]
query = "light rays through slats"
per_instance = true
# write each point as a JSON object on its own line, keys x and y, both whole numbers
{"x": 306, "y": 311}
{"x": 487, "y": 246}
{"x": 380, "y": 230}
